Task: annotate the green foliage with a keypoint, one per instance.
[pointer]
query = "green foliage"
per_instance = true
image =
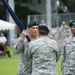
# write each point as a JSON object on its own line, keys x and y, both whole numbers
{"x": 20, "y": 1}
{"x": 60, "y": 10}
{"x": 71, "y": 2}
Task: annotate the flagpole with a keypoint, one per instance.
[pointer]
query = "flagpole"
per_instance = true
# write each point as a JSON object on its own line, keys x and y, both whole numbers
{"x": 15, "y": 18}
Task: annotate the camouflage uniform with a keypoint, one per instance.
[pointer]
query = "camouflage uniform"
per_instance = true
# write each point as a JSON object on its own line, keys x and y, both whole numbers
{"x": 68, "y": 57}
{"x": 44, "y": 53}
{"x": 24, "y": 67}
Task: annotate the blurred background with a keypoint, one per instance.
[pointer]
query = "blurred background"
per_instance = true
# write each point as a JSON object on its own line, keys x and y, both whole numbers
{"x": 54, "y": 13}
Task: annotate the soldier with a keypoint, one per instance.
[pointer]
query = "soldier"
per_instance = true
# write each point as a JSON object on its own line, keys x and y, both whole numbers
{"x": 24, "y": 67}
{"x": 44, "y": 53}
{"x": 68, "y": 53}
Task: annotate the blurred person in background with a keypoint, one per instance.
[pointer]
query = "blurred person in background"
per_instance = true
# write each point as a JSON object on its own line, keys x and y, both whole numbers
{"x": 42, "y": 22}
{"x": 14, "y": 40}
{"x": 3, "y": 41}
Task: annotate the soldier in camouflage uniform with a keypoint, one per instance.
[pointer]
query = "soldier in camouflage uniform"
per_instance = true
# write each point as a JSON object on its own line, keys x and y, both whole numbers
{"x": 44, "y": 53}
{"x": 24, "y": 67}
{"x": 68, "y": 53}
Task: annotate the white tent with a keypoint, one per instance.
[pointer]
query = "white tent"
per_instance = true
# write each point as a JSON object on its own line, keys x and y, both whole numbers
{"x": 6, "y": 25}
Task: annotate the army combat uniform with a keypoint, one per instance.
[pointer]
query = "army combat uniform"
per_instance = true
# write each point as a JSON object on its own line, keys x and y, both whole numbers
{"x": 24, "y": 67}
{"x": 44, "y": 53}
{"x": 68, "y": 57}
{"x": 22, "y": 45}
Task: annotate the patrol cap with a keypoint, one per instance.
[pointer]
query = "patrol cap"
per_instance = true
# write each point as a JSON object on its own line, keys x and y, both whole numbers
{"x": 33, "y": 23}
{"x": 43, "y": 28}
{"x": 72, "y": 23}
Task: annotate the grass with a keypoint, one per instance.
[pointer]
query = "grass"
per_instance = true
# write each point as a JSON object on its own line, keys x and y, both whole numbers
{"x": 58, "y": 66}
{"x": 8, "y": 66}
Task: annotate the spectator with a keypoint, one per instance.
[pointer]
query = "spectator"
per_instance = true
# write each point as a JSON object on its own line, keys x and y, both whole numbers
{"x": 42, "y": 22}
{"x": 3, "y": 41}
{"x": 14, "y": 40}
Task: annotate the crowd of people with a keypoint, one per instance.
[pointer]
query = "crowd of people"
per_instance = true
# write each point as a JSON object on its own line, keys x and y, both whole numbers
{"x": 59, "y": 34}
{"x": 39, "y": 56}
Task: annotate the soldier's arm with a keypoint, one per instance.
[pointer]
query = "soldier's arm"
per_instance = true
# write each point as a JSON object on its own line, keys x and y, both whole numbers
{"x": 57, "y": 50}
{"x": 22, "y": 43}
{"x": 19, "y": 46}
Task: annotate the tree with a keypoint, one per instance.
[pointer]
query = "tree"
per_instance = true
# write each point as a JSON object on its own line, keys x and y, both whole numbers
{"x": 70, "y": 4}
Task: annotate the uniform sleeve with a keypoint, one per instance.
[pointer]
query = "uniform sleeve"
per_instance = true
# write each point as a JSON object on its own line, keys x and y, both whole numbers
{"x": 28, "y": 52}
{"x": 63, "y": 51}
{"x": 20, "y": 45}
{"x": 57, "y": 50}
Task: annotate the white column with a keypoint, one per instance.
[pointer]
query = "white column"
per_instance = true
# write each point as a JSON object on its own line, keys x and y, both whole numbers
{"x": 28, "y": 19}
{"x": 11, "y": 32}
{"x": 57, "y": 17}
{"x": 11, "y": 4}
{"x": 48, "y": 13}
